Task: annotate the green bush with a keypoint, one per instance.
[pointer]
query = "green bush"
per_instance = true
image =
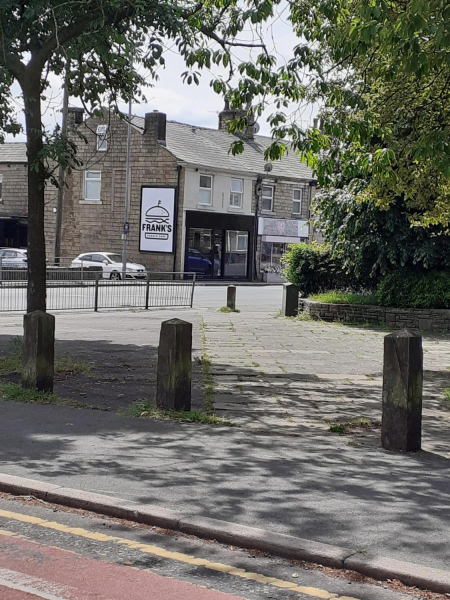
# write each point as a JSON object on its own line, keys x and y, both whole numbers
{"x": 407, "y": 289}
{"x": 313, "y": 269}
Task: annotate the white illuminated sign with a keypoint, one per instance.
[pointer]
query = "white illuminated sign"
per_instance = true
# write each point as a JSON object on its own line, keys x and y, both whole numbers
{"x": 157, "y": 224}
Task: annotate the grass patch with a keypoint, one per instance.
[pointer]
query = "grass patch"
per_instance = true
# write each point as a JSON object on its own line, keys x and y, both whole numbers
{"x": 10, "y": 392}
{"x": 345, "y": 298}
{"x": 337, "y": 428}
{"x": 360, "y": 423}
{"x": 227, "y": 309}
{"x": 12, "y": 362}
{"x": 145, "y": 410}
{"x": 446, "y": 394}
{"x": 207, "y": 377}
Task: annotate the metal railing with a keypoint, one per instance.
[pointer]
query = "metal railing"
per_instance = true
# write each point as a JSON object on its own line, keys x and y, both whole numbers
{"x": 73, "y": 289}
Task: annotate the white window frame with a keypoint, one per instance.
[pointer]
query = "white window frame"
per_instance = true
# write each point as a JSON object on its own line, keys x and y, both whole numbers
{"x": 102, "y": 140}
{"x": 209, "y": 189}
{"x": 1, "y": 189}
{"x": 234, "y": 195}
{"x": 297, "y": 200}
{"x": 271, "y": 187}
{"x": 99, "y": 178}
{"x": 239, "y": 238}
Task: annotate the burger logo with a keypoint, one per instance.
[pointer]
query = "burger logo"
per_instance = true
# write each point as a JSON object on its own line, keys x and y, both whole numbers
{"x": 157, "y": 225}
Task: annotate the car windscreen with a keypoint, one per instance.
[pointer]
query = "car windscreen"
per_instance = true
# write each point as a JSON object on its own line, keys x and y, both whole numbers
{"x": 115, "y": 258}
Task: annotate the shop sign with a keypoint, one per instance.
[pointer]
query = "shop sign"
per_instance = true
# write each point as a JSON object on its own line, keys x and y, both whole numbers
{"x": 157, "y": 221}
{"x": 282, "y": 227}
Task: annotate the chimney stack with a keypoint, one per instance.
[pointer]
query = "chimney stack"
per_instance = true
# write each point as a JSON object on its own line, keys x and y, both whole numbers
{"x": 75, "y": 116}
{"x": 228, "y": 114}
{"x": 155, "y": 125}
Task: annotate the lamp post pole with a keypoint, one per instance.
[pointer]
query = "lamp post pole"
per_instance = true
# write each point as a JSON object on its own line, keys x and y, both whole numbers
{"x": 127, "y": 196}
{"x": 62, "y": 173}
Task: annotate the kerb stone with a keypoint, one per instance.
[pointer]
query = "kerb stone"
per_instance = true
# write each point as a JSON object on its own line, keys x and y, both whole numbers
{"x": 173, "y": 380}
{"x": 401, "y": 428}
{"x": 290, "y": 300}
{"x": 38, "y": 351}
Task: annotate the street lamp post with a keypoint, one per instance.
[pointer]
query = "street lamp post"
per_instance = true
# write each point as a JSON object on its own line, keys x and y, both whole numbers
{"x": 127, "y": 197}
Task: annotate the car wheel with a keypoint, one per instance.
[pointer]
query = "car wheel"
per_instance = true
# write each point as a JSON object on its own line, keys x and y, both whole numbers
{"x": 115, "y": 275}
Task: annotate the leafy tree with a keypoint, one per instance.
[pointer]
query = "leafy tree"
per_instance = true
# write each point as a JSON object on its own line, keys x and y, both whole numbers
{"x": 371, "y": 240}
{"x": 105, "y": 41}
{"x": 381, "y": 69}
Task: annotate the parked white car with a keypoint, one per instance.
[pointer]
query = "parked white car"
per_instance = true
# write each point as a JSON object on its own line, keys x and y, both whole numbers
{"x": 13, "y": 258}
{"x": 111, "y": 264}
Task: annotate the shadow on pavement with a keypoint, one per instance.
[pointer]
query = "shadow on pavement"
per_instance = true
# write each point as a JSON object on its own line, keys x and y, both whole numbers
{"x": 314, "y": 487}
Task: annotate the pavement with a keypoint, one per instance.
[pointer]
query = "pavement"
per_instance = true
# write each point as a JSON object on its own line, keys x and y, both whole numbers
{"x": 282, "y": 382}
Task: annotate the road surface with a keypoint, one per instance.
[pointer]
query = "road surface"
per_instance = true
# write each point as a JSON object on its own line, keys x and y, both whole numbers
{"x": 55, "y": 553}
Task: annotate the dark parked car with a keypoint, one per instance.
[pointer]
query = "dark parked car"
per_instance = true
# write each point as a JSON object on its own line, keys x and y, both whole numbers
{"x": 197, "y": 263}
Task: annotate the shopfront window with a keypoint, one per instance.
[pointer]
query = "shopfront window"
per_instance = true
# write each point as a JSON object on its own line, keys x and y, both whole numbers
{"x": 271, "y": 254}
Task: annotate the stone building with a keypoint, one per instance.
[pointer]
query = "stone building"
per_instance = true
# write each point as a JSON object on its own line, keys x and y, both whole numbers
{"x": 13, "y": 195}
{"x": 229, "y": 217}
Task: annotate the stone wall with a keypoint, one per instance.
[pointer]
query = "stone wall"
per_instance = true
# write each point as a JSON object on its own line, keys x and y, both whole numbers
{"x": 437, "y": 320}
{"x": 91, "y": 226}
{"x": 14, "y": 192}
{"x": 284, "y": 197}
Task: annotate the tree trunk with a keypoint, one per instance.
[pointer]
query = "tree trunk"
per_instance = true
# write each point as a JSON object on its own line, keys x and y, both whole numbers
{"x": 36, "y": 292}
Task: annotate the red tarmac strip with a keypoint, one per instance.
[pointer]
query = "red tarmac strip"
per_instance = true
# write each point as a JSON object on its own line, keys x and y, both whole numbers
{"x": 30, "y": 571}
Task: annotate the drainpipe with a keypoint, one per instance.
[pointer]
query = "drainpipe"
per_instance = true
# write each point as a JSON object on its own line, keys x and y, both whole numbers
{"x": 255, "y": 234}
{"x": 177, "y": 201}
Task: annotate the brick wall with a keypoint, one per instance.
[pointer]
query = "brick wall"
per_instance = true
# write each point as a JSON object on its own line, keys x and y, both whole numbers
{"x": 89, "y": 227}
{"x": 437, "y": 320}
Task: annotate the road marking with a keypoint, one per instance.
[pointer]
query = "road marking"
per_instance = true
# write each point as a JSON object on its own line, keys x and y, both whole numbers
{"x": 33, "y": 585}
{"x": 176, "y": 556}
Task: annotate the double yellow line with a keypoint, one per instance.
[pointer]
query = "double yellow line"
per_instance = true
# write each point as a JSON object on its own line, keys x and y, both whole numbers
{"x": 176, "y": 556}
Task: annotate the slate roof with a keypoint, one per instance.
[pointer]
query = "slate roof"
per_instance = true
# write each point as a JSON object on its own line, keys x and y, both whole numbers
{"x": 209, "y": 148}
{"x": 13, "y": 152}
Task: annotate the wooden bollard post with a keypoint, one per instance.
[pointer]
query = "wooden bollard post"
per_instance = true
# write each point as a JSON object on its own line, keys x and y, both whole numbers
{"x": 231, "y": 297}
{"x": 290, "y": 300}
{"x": 401, "y": 428}
{"x": 173, "y": 379}
{"x": 38, "y": 351}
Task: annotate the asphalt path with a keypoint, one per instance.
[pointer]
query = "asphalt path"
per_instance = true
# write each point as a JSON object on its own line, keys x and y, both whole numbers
{"x": 366, "y": 500}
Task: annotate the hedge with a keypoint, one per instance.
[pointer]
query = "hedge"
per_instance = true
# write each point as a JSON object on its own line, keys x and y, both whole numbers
{"x": 313, "y": 269}
{"x": 409, "y": 289}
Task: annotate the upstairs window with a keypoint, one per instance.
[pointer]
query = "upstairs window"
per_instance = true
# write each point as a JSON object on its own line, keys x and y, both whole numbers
{"x": 297, "y": 202}
{"x": 102, "y": 142}
{"x": 205, "y": 191}
{"x": 267, "y": 198}
{"x": 236, "y": 193}
{"x": 92, "y": 185}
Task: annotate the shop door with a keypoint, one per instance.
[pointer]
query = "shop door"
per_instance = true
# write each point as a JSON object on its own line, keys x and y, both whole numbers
{"x": 236, "y": 254}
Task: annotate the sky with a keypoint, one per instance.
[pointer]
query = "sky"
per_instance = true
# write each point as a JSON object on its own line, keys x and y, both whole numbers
{"x": 197, "y": 105}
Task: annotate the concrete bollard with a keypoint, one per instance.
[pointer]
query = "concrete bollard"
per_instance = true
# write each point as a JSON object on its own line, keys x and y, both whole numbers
{"x": 231, "y": 297}
{"x": 38, "y": 351}
{"x": 173, "y": 379}
{"x": 401, "y": 428}
{"x": 290, "y": 300}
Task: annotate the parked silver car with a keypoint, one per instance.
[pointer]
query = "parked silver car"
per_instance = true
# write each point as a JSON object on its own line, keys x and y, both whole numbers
{"x": 13, "y": 258}
{"x": 111, "y": 264}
